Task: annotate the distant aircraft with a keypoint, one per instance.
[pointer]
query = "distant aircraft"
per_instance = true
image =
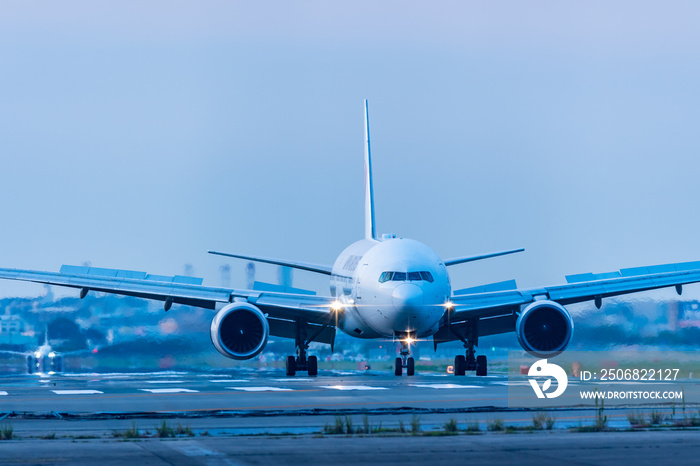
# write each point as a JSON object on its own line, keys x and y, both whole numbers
{"x": 380, "y": 287}
{"x": 45, "y": 359}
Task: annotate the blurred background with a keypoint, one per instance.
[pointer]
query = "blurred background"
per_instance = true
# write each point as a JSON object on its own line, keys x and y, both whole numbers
{"x": 137, "y": 136}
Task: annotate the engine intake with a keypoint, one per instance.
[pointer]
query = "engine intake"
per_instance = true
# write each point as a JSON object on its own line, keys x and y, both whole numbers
{"x": 239, "y": 331}
{"x": 544, "y": 328}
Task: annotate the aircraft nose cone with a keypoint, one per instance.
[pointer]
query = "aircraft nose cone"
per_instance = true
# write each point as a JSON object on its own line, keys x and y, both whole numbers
{"x": 407, "y": 297}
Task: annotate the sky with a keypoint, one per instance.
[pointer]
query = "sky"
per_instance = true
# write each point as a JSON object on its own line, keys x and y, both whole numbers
{"x": 137, "y": 135}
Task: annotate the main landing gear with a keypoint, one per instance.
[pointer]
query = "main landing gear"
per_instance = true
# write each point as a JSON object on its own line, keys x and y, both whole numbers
{"x": 405, "y": 361}
{"x": 301, "y": 362}
{"x": 469, "y": 362}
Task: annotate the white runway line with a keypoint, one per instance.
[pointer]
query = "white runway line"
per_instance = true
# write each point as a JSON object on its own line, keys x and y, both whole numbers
{"x": 352, "y": 387}
{"x": 3, "y": 393}
{"x": 165, "y": 381}
{"x": 294, "y": 380}
{"x": 168, "y": 390}
{"x": 513, "y": 383}
{"x": 229, "y": 381}
{"x": 444, "y": 385}
{"x": 261, "y": 389}
{"x": 192, "y": 448}
{"x": 77, "y": 392}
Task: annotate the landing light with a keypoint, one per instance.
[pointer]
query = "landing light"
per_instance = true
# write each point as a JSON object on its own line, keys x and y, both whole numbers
{"x": 449, "y": 305}
{"x": 409, "y": 340}
{"x": 336, "y": 306}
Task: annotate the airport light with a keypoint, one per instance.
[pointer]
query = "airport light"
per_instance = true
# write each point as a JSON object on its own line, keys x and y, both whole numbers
{"x": 52, "y": 355}
{"x": 37, "y": 354}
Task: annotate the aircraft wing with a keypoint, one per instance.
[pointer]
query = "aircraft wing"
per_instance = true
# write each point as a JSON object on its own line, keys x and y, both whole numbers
{"x": 177, "y": 289}
{"x": 13, "y": 353}
{"x": 462, "y": 260}
{"x": 579, "y": 288}
{"x": 324, "y": 269}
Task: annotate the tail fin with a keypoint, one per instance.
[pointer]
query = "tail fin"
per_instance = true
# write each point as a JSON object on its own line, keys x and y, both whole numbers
{"x": 370, "y": 232}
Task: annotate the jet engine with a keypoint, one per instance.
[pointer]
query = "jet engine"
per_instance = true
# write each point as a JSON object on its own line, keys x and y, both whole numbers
{"x": 544, "y": 328}
{"x": 239, "y": 331}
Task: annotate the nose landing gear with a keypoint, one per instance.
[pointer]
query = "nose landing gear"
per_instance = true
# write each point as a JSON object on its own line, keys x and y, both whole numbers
{"x": 405, "y": 361}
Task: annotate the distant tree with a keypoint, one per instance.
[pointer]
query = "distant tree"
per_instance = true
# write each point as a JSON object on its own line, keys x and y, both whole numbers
{"x": 67, "y": 330}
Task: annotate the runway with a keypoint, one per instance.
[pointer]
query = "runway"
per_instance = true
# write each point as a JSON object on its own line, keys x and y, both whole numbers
{"x": 253, "y": 402}
{"x": 640, "y": 448}
{"x": 245, "y": 391}
{"x": 263, "y": 417}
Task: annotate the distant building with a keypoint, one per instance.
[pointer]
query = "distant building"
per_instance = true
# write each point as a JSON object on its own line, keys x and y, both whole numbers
{"x": 11, "y": 328}
{"x": 9, "y": 324}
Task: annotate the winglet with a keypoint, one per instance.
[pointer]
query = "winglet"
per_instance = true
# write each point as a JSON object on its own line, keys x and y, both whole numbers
{"x": 370, "y": 232}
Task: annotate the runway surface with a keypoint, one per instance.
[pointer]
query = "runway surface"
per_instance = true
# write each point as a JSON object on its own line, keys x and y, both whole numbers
{"x": 249, "y": 391}
{"x": 639, "y": 448}
{"x": 253, "y": 402}
{"x": 249, "y": 417}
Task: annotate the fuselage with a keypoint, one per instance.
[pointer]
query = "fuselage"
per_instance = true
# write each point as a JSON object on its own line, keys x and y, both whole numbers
{"x": 44, "y": 351}
{"x": 396, "y": 287}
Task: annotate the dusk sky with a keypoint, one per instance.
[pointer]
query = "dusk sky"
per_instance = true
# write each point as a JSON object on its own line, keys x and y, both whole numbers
{"x": 138, "y": 135}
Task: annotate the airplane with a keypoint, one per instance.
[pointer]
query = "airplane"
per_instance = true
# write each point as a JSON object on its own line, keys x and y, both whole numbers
{"x": 45, "y": 359}
{"x": 384, "y": 287}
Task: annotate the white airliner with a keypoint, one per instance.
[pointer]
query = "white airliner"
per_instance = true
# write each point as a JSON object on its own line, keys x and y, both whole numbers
{"x": 45, "y": 360}
{"x": 380, "y": 287}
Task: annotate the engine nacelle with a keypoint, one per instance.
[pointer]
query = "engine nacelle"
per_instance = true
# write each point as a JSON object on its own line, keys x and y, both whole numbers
{"x": 544, "y": 328}
{"x": 239, "y": 331}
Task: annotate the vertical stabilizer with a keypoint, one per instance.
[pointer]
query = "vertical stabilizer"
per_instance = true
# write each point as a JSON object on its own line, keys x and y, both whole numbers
{"x": 370, "y": 232}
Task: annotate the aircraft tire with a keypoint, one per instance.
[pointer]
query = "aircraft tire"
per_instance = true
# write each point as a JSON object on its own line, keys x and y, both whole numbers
{"x": 410, "y": 367}
{"x": 291, "y": 366}
{"x": 460, "y": 364}
{"x": 312, "y": 366}
{"x": 481, "y": 367}
{"x": 398, "y": 367}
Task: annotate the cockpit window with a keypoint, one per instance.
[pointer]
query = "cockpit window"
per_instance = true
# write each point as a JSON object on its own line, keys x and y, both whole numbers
{"x": 414, "y": 276}
{"x": 403, "y": 276}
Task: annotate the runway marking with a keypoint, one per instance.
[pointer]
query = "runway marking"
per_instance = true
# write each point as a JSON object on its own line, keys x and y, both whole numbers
{"x": 444, "y": 385}
{"x": 229, "y": 381}
{"x": 294, "y": 380}
{"x": 168, "y": 390}
{"x": 261, "y": 389}
{"x": 44, "y": 381}
{"x": 193, "y": 448}
{"x": 352, "y": 387}
{"x": 165, "y": 381}
{"x": 3, "y": 393}
{"x": 77, "y": 392}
